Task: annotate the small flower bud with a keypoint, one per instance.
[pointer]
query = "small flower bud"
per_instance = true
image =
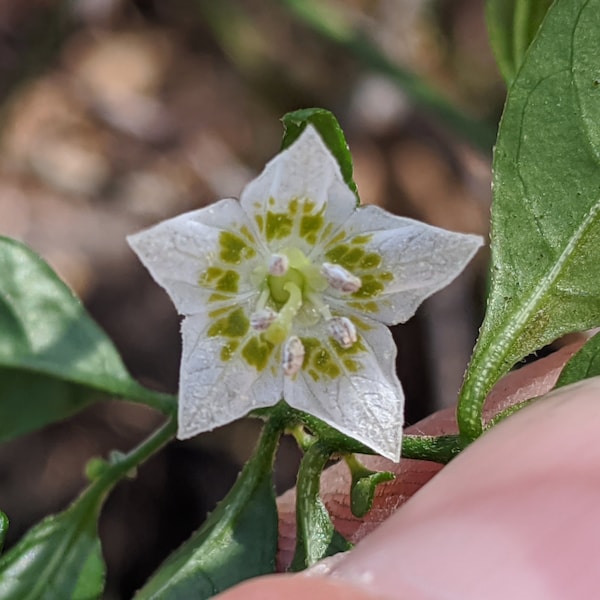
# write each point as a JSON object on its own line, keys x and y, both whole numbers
{"x": 278, "y": 265}
{"x": 343, "y": 331}
{"x": 293, "y": 356}
{"x": 261, "y": 319}
{"x": 340, "y": 279}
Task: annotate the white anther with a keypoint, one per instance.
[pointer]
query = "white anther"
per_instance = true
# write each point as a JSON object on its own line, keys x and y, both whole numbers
{"x": 293, "y": 356}
{"x": 278, "y": 265}
{"x": 261, "y": 319}
{"x": 343, "y": 331}
{"x": 340, "y": 279}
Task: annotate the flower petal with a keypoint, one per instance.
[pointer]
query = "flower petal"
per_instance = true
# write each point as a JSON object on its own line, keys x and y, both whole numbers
{"x": 401, "y": 262}
{"x": 202, "y": 257}
{"x": 300, "y": 197}
{"x": 355, "y": 390}
{"x": 225, "y": 372}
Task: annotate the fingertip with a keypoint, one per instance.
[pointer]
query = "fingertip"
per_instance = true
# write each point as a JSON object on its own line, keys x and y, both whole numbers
{"x": 295, "y": 587}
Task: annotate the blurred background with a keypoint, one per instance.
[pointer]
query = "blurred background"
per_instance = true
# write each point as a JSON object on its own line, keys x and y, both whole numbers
{"x": 116, "y": 114}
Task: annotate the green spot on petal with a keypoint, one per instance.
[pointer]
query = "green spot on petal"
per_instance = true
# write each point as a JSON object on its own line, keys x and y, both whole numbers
{"x": 357, "y": 348}
{"x": 336, "y": 254}
{"x": 257, "y": 352}
{"x": 338, "y": 238}
{"x": 368, "y": 307}
{"x": 247, "y": 234}
{"x": 370, "y": 261}
{"x": 352, "y": 365}
{"x": 228, "y": 350}
{"x": 324, "y": 363}
{"x": 221, "y": 280}
{"x": 371, "y": 287}
{"x": 352, "y": 257}
{"x": 318, "y": 360}
{"x": 218, "y": 298}
{"x": 361, "y": 324}
{"x": 234, "y": 325}
{"x": 219, "y": 311}
{"x": 278, "y": 226}
{"x": 228, "y": 282}
{"x": 361, "y": 239}
{"x": 211, "y": 274}
{"x": 234, "y": 249}
{"x": 310, "y": 226}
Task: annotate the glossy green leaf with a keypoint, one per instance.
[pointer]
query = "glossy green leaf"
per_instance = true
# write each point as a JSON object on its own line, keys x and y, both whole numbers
{"x": 329, "y": 129}
{"x": 512, "y": 25}
{"x": 53, "y": 356}
{"x": 59, "y": 558}
{"x": 3, "y": 528}
{"x": 237, "y": 542}
{"x": 545, "y": 238}
{"x": 583, "y": 364}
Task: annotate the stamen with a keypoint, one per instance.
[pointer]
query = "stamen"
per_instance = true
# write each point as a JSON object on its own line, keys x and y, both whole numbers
{"x": 261, "y": 319}
{"x": 278, "y": 265}
{"x": 292, "y": 356}
{"x": 343, "y": 331}
{"x": 340, "y": 279}
{"x": 279, "y": 329}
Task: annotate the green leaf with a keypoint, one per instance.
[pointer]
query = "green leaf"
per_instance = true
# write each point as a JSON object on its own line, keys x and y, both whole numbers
{"x": 53, "y": 356}
{"x": 583, "y": 364}
{"x": 237, "y": 542}
{"x": 3, "y": 528}
{"x": 59, "y": 558}
{"x": 512, "y": 26}
{"x": 329, "y": 129}
{"x": 545, "y": 214}
{"x": 316, "y": 537}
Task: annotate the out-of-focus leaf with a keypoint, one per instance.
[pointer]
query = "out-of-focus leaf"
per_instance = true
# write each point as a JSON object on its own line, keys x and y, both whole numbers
{"x": 329, "y": 129}
{"x": 59, "y": 558}
{"x": 237, "y": 542}
{"x": 545, "y": 237}
{"x": 512, "y": 25}
{"x": 54, "y": 359}
{"x": 583, "y": 364}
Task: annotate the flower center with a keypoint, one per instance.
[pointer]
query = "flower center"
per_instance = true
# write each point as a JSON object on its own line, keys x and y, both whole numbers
{"x": 291, "y": 281}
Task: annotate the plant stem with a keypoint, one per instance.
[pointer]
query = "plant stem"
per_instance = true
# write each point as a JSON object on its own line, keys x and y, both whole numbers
{"x": 127, "y": 462}
{"x": 164, "y": 403}
{"x": 316, "y": 537}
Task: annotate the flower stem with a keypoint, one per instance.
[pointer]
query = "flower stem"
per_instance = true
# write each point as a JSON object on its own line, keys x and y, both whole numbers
{"x": 128, "y": 462}
{"x": 316, "y": 536}
{"x": 441, "y": 449}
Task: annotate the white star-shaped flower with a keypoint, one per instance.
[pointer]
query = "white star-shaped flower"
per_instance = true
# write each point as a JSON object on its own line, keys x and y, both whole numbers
{"x": 287, "y": 294}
